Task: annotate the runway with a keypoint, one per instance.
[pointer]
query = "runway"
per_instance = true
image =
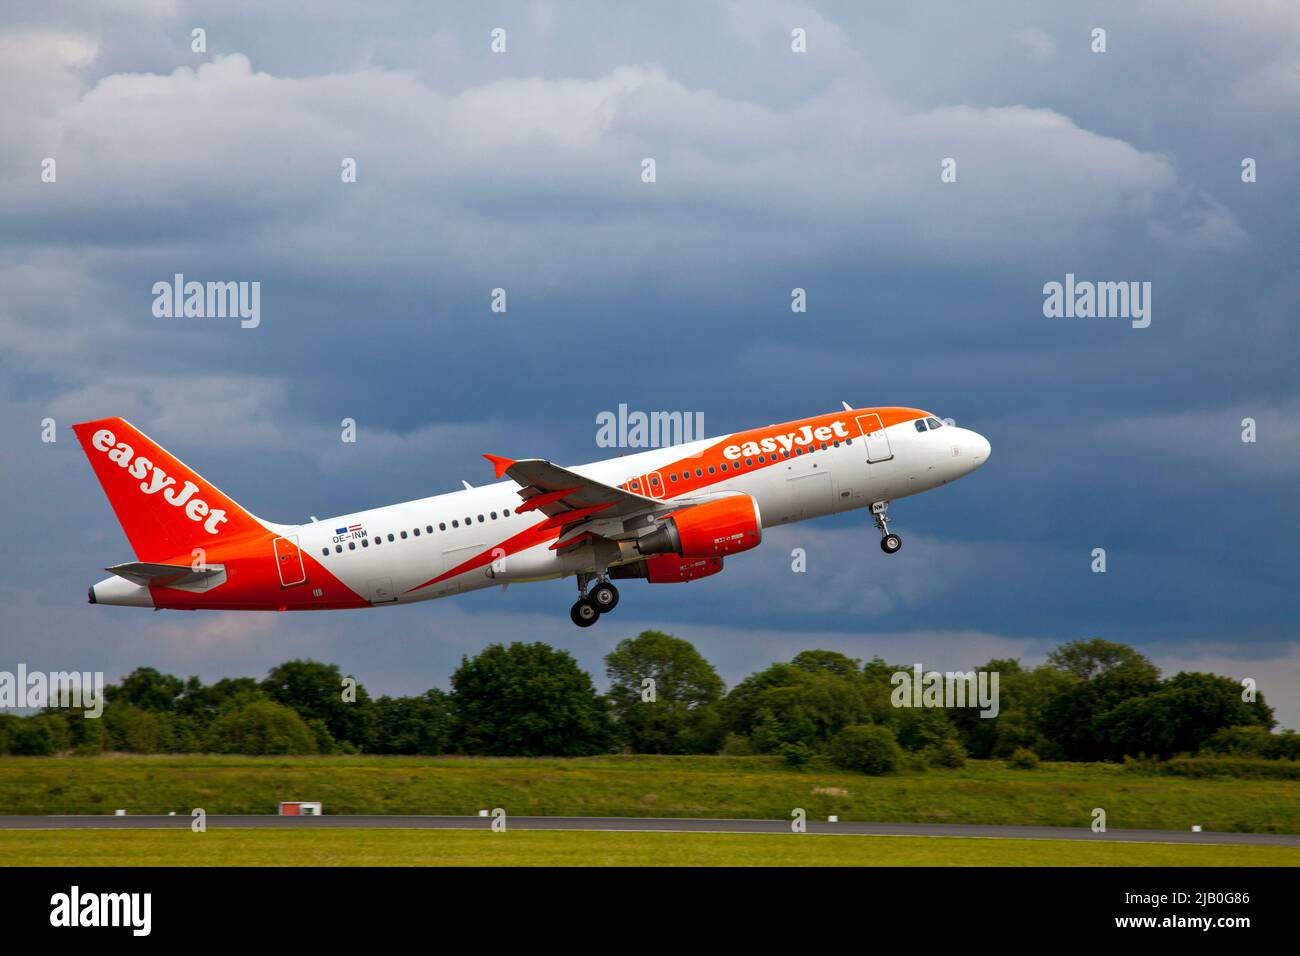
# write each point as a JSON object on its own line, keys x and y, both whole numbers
{"x": 645, "y": 824}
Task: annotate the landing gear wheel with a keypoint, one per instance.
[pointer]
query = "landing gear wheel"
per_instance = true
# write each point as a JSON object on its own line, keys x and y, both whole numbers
{"x": 604, "y": 596}
{"x": 584, "y": 613}
{"x": 889, "y": 542}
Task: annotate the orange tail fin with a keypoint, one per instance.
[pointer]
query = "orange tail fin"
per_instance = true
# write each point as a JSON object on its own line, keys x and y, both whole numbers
{"x": 165, "y": 508}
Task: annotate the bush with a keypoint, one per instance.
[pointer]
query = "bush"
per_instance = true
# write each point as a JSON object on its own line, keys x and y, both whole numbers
{"x": 736, "y": 746}
{"x": 1141, "y": 764}
{"x": 1023, "y": 759}
{"x": 1184, "y": 766}
{"x": 946, "y": 753}
{"x": 262, "y": 727}
{"x": 866, "y": 748}
{"x": 795, "y": 755}
{"x": 1254, "y": 742}
{"x": 34, "y": 737}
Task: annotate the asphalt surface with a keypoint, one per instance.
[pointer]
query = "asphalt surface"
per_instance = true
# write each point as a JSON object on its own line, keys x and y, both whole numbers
{"x": 644, "y": 824}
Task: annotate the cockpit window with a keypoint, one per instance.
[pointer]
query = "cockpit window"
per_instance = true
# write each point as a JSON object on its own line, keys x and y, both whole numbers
{"x": 934, "y": 423}
{"x": 920, "y": 424}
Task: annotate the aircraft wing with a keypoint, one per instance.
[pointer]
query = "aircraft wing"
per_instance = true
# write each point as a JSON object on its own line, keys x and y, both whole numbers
{"x": 568, "y": 499}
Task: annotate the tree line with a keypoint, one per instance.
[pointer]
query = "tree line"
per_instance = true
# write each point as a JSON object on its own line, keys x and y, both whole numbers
{"x": 1091, "y": 700}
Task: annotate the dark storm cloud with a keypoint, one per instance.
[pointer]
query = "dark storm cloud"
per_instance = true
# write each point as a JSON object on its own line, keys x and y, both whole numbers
{"x": 775, "y": 171}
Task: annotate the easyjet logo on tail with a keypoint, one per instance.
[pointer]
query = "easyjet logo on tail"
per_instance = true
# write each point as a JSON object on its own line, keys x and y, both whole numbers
{"x": 804, "y": 436}
{"x": 157, "y": 480}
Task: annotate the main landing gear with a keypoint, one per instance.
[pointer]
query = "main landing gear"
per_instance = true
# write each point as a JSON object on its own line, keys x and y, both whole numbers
{"x": 889, "y": 542}
{"x": 592, "y": 604}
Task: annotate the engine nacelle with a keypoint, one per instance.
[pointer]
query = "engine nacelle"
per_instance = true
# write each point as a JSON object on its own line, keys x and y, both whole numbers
{"x": 724, "y": 526}
{"x": 669, "y": 569}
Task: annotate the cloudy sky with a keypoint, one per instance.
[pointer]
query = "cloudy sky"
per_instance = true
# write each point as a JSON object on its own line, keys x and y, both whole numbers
{"x": 775, "y": 170}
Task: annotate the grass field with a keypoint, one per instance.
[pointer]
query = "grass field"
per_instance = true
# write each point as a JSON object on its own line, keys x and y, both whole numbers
{"x": 982, "y": 792}
{"x": 344, "y": 847}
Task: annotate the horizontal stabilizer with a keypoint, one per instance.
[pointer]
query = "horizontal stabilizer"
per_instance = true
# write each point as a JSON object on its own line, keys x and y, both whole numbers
{"x": 165, "y": 575}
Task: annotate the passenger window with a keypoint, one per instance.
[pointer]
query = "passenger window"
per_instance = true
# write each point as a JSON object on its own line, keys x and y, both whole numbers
{"x": 480, "y": 519}
{"x": 673, "y": 476}
{"x": 493, "y": 516}
{"x": 365, "y": 542}
{"x": 379, "y": 539}
{"x": 712, "y": 470}
{"x": 699, "y": 473}
{"x": 468, "y": 520}
{"x": 455, "y": 524}
{"x": 724, "y": 466}
{"x": 338, "y": 549}
{"x": 442, "y": 525}
{"x": 506, "y": 512}
{"x": 390, "y": 537}
{"x": 655, "y": 482}
{"x": 325, "y": 551}
{"x": 416, "y": 532}
{"x": 352, "y": 546}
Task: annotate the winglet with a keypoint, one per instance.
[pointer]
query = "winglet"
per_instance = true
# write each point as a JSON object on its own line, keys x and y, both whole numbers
{"x": 500, "y": 464}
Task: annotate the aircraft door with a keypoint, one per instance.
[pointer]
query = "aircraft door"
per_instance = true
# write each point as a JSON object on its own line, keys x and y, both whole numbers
{"x": 288, "y": 561}
{"x": 873, "y": 434}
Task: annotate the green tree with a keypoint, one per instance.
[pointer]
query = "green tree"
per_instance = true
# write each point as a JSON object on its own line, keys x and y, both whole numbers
{"x": 683, "y": 716}
{"x": 1024, "y": 695}
{"x": 41, "y": 735}
{"x": 414, "y": 725}
{"x": 528, "y": 700}
{"x": 132, "y": 729}
{"x": 316, "y": 691}
{"x": 261, "y": 727}
{"x": 807, "y": 701}
{"x": 1180, "y": 717}
{"x": 1096, "y": 658}
{"x": 208, "y": 701}
{"x": 148, "y": 689}
{"x": 866, "y": 748}
{"x": 1104, "y": 675}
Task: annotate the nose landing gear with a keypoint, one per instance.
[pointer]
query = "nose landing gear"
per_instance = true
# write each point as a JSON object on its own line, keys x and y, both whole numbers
{"x": 889, "y": 542}
{"x": 592, "y": 604}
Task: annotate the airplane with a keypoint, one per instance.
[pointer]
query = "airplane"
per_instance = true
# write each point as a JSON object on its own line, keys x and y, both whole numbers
{"x": 667, "y": 515}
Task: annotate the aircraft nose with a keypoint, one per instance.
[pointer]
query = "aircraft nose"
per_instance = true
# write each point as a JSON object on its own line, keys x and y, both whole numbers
{"x": 980, "y": 449}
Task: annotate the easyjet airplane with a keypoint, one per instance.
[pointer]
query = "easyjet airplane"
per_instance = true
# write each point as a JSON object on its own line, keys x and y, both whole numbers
{"x": 668, "y": 515}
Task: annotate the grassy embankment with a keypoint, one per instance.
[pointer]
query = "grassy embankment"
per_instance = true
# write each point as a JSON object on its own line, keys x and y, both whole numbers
{"x": 982, "y": 792}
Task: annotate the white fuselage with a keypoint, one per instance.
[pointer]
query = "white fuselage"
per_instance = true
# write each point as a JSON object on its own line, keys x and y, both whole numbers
{"x": 396, "y": 549}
